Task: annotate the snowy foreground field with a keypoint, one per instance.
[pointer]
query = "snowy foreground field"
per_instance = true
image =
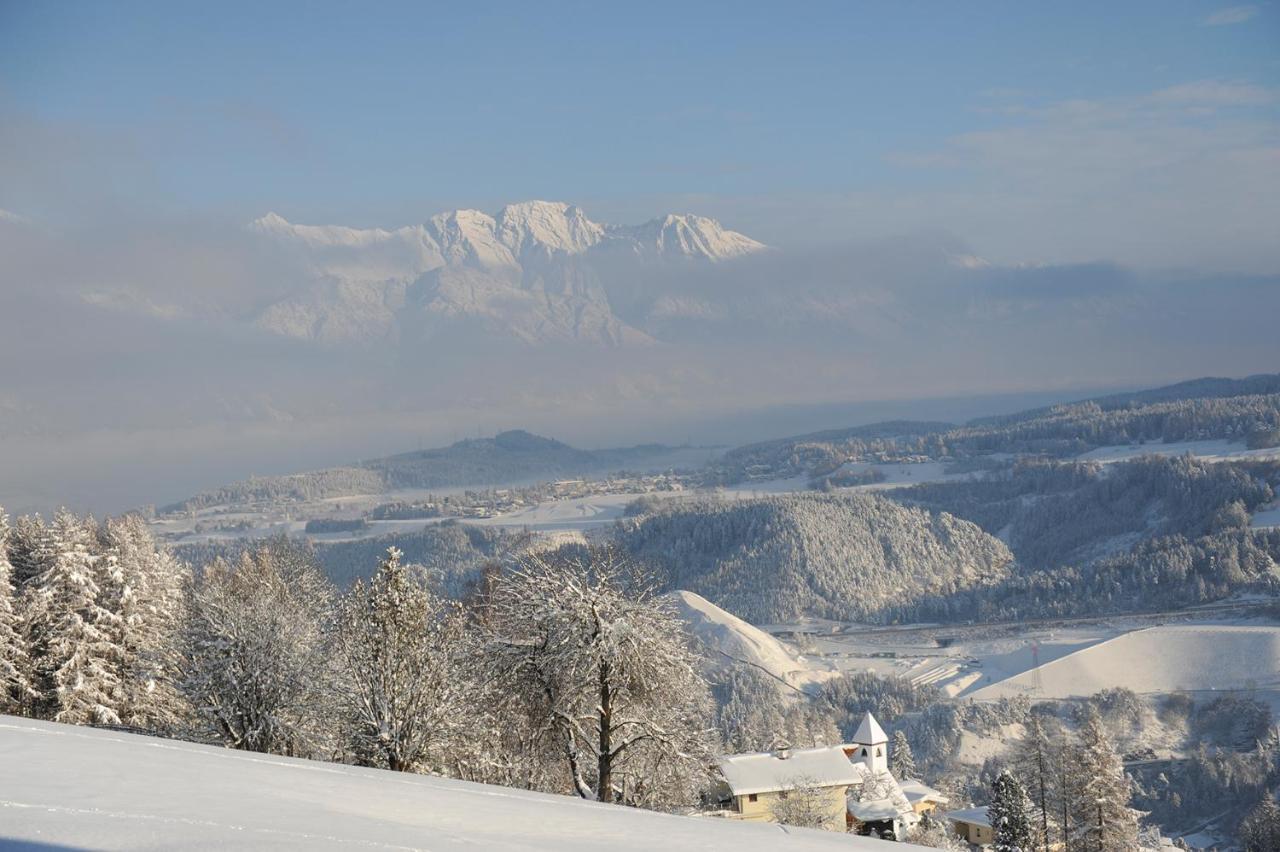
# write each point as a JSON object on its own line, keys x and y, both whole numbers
{"x": 76, "y": 788}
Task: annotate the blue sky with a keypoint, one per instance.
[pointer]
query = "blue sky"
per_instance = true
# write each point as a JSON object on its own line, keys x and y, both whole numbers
{"x": 873, "y": 118}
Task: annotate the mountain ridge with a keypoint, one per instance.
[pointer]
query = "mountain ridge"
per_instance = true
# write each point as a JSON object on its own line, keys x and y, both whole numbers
{"x": 529, "y": 272}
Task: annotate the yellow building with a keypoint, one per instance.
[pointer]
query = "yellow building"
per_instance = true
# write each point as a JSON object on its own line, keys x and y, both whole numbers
{"x": 761, "y": 783}
{"x": 973, "y": 825}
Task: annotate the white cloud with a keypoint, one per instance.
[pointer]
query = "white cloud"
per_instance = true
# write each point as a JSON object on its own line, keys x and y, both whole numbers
{"x": 1214, "y": 93}
{"x": 1231, "y": 15}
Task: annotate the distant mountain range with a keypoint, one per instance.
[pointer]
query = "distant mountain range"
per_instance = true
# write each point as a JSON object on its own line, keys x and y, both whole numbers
{"x": 538, "y": 271}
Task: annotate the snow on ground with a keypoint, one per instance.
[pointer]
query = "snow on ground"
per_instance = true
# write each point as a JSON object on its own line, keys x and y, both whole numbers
{"x": 1191, "y": 657}
{"x": 1214, "y": 450}
{"x": 733, "y": 639}
{"x": 1268, "y": 516}
{"x": 77, "y": 788}
{"x": 902, "y": 475}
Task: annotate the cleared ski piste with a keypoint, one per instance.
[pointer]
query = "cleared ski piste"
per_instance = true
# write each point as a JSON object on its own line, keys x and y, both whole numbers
{"x": 67, "y": 787}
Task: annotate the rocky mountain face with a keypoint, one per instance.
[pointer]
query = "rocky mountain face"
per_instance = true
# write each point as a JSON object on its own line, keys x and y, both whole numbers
{"x": 538, "y": 272}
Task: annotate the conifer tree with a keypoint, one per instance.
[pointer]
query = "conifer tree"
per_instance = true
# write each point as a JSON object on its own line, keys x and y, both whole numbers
{"x": 1260, "y": 831}
{"x": 1033, "y": 757}
{"x": 400, "y": 645}
{"x": 1103, "y": 820}
{"x": 147, "y": 586}
{"x": 16, "y": 693}
{"x": 1010, "y": 815}
{"x": 902, "y": 762}
{"x": 73, "y": 635}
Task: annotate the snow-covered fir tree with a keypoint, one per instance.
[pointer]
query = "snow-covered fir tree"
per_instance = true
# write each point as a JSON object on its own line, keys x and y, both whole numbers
{"x": 901, "y": 761}
{"x": 16, "y": 693}
{"x": 1260, "y": 831}
{"x": 400, "y": 646}
{"x": 260, "y": 670}
{"x": 146, "y": 585}
{"x": 1010, "y": 815}
{"x": 1101, "y": 818}
{"x": 72, "y": 632}
{"x": 580, "y": 649}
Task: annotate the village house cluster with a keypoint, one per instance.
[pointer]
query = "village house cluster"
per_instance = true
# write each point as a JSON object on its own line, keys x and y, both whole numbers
{"x": 842, "y": 788}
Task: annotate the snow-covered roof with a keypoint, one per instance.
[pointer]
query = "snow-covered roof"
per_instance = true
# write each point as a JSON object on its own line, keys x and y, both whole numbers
{"x": 884, "y": 784}
{"x": 767, "y": 772}
{"x": 874, "y": 810}
{"x": 869, "y": 732}
{"x": 973, "y": 816}
{"x": 918, "y": 791}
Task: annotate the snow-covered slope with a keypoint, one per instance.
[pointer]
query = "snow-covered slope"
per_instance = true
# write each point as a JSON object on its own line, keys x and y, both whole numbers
{"x": 728, "y": 639}
{"x": 529, "y": 273}
{"x": 1204, "y": 657}
{"x": 68, "y": 787}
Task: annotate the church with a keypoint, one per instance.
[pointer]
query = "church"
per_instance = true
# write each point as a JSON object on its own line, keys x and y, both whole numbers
{"x": 851, "y": 783}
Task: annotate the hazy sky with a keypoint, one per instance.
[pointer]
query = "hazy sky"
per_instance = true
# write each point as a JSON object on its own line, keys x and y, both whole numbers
{"x": 1118, "y": 164}
{"x": 1031, "y": 130}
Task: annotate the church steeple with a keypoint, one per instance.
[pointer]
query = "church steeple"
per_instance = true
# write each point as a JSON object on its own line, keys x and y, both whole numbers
{"x": 870, "y": 745}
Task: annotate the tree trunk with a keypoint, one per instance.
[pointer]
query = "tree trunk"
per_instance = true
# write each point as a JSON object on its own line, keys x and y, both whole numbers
{"x": 604, "y": 777}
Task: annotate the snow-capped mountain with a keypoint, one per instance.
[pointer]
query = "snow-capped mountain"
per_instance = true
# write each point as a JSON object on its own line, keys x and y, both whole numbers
{"x": 531, "y": 272}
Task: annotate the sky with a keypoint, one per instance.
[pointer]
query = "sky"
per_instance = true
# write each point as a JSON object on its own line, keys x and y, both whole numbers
{"x": 1110, "y": 172}
{"x": 873, "y": 117}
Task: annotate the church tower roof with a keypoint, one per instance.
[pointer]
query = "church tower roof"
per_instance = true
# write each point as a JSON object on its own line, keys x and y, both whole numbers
{"x": 870, "y": 732}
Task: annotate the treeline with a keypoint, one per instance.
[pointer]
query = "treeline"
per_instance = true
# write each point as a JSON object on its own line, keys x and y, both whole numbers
{"x": 564, "y": 673}
{"x": 846, "y": 557}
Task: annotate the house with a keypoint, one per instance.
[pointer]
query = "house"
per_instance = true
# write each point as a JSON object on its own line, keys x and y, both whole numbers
{"x": 758, "y": 783}
{"x": 923, "y": 798}
{"x": 973, "y": 825}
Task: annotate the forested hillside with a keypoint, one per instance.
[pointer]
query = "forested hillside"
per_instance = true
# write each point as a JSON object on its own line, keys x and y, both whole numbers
{"x": 1056, "y": 513}
{"x": 1246, "y": 410}
{"x": 842, "y": 557}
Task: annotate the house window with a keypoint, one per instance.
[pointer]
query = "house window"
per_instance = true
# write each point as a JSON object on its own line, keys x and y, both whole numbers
{"x": 864, "y": 752}
{"x": 782, "y": 794}
{"x": 752, "y": 797}
{"x": 879, "y": 753}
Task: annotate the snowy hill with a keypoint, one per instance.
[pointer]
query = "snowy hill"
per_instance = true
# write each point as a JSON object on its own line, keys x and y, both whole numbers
{"x": 83, "y": 788}
{"x": 1198, "y": 658}
{"x": 729, "y": 640}
{"x": 838, "y": 556}
{"x": 527, "y": 273}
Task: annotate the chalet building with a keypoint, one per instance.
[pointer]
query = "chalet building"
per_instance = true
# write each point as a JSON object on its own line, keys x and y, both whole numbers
{"x": 758, "y": 782}
{"x": 972, "y": 825}
{"x": 852, "y": 781}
